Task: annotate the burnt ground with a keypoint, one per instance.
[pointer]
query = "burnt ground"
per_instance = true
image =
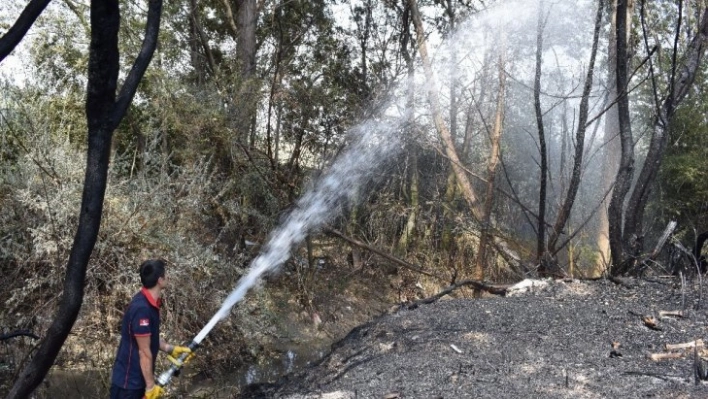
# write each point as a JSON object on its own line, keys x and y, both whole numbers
{"x": 551, "y": 342}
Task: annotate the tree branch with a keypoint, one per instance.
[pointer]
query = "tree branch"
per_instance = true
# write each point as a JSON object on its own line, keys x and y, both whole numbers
{"x": 478, "y": 285}
{"x": 380, "y": 253}
{"x": 130, "y": 86}
{"x": 12, "y": 37}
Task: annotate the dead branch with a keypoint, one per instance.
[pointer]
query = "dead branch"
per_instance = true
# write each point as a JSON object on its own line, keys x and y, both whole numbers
{"x": 675, "y": 313}
{"x": 392, "y": 258}
{"x": 686, "y": 345}
{"x": 657, "y": 357}
{"x": 18, "y": 333}
{"x": 478, "y": 285}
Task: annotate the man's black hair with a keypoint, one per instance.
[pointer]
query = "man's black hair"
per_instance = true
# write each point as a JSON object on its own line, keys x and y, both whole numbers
{"x": 150, "y": 271}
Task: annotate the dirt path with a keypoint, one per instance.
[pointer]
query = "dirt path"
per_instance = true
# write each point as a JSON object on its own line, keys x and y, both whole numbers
{"x": 553, "y": 342}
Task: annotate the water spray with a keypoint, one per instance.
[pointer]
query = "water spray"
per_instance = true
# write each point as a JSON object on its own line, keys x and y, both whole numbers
{"x": 375, "y": 142}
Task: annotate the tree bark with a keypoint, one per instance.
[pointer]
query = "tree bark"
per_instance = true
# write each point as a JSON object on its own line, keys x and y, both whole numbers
{"x": 229, "y": 14}
{"x": 625, "y": 173}
{"x": 104, "y": 111}
{"x": 273, "y": 142}
{"x": 19, "y": 29}
{"x": 451, "y": 182}
{"x": 246, "y": 42}
{"x": 611, "y": 152}
{"x": 246, "y": 53}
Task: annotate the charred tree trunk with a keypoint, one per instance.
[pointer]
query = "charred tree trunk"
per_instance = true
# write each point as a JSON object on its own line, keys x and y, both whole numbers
{"x": 625, "y": 173}
{"x": 541, "y": 232}
{"x": 103, "y": 113}
{"x": 611, "y": 152}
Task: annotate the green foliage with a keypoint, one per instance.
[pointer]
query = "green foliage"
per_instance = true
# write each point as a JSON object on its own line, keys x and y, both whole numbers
{"x": 684, "y": 172}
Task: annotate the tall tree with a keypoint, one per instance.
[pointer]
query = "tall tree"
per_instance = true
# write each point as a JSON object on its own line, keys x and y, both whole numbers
{"x": 541, "y": 232}
{"x": 680, "y": 81}
{"x": 104, "y": 111}
{"x": 612, "y": 146}
{"x": 625, "y": 172}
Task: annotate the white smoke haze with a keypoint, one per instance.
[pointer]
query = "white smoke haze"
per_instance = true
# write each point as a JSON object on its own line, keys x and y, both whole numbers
{"x": 511, "y": 27}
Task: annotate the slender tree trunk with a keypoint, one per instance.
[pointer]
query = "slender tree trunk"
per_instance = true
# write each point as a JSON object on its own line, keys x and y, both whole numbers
{"x": 612, "y": 150}
{"x": 408, "y": 233}
{"x": 563, "y": 177}
{"x": 447, "y": 211}
{"x": 541, "y": 232}
{"x": 413, "y": 176}
{"x": 274, "y": 87}
{"x": 569, "y": 200}
{"x": 246, "y": 18}
{"x": 494, "y": 139}
{"x": 202, "y": 61}
{"x": 625, "y": 173}
{"x": 246, "y": 41}
{"x": 363, "y": 33}
{"x": 451, "y": 185}
{"x": 463, "y": 182}
{"x": 104, "y": 111}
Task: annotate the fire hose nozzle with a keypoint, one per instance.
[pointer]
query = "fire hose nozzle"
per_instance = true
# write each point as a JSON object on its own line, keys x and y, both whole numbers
{"x": 173, "y": 371}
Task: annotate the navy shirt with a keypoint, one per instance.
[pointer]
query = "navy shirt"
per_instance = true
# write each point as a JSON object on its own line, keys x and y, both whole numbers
{"x": 141, "y": 318}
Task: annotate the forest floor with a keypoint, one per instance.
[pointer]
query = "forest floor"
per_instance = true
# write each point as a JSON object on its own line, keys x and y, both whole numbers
{"x": 554, "y": 341}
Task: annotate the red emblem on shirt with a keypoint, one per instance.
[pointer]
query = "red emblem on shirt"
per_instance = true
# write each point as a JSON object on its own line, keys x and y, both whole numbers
{"x": 144, "y": 322}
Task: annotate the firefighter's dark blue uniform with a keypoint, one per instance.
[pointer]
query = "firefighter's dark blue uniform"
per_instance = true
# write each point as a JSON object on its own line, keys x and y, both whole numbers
{"x": 141, "y": 318}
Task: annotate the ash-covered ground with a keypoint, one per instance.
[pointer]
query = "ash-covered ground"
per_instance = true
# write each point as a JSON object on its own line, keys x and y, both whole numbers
{"x": 552, "y": 342}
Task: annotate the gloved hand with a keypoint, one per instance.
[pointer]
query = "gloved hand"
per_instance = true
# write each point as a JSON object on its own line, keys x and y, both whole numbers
{"x": 155, "y": 392}
{"x": 176, "y": 352}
